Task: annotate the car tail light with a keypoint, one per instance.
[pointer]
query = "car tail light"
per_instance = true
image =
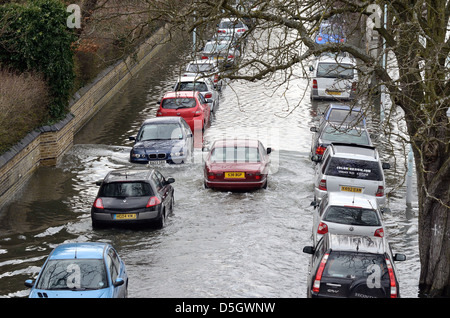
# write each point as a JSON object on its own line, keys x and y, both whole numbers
{"x": 230, "y": 56}
{"x": 323, "y": 185}
{"x": 204, "y": 57}
{"x": 320, "y": 150}
{"x": 240, "y": 30}
{"x": 379, "y": 232}
{"x": 322, "y": 228}
{"x": 393, "y": 284}
{"x": 315, "y": 84}
{"x": 319, "y": 38}
{"x": 258, "y": 176}
{"x": 208, "y": 95}
{"x": 152, "y": 202}
{"x": 323, "y": 262}
{"x": 99, "y": 203}
{"x": 342, "y": 40}
{"x": 354, "y": 85}
{"x": 216, "y": 78}
{"x": 221, "y": 31}
{"x": 380, "y": 191}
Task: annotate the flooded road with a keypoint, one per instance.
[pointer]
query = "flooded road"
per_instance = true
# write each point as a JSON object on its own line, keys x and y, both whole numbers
{"x": 216, "y": 244}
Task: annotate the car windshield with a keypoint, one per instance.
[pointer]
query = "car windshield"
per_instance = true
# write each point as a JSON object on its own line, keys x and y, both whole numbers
{"x": 191, "y": 86}
{"x": 230, "y": 24}
{"x": 160, "y": 132}
{"x": 73, "y": 274}
{"x": 199, "y": 68}
{"x": 235, "y": 154}
{"x": 126, "y": 189}
{"x": 352, "y": 216}
{"x": 354, "y": 265}
{"x": 335, "y": 70}
{"x": 342, "y": 134}
{"x": 179, "y": 102}
{"x": 346, "y": 116}
{"x": 354, "y": 168}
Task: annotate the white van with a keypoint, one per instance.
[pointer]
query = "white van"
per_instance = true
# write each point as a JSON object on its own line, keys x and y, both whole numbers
{"x": 334, "y": 76}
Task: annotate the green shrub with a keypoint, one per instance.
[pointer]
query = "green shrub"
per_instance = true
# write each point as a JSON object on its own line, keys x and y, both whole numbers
{"x": 34, "y": 37}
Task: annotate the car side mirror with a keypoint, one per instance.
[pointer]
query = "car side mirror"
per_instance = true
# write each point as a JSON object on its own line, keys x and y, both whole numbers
{"x": 158, "y": 102}
{"x": 209, "y": 100}
{"x": 268, "y": 150}
{"x": 315, "y": 204}
{"x": 99, "y": 182}
{"x": 386, "y": 165}
{"x": 131, "y": 138}
{"x": 399, "y": 257}
{"x": 316, "y": 158}
{"x": 29, "y": 283}
{"x": 385, "y": 210}
{"x": 170, "y": 180}
{"x": 313, "y": 129}
{"x": 311, "y": 68}
{"x": 309, "y": 249}
{"x": 119, "y": 282}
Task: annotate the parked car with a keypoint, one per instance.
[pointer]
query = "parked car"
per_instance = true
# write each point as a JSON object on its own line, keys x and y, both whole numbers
{"x": 347, "y": 213}
{"x": 205, "y": 68}
{"x": 350, "y": 168}
{"x": 231, "y": 26}
{"x": 222, "y": 52}
{"x": 200, "y": 84}
{"x": 334, "y": 77}
{"x": 344, "y": 114}
{"x": 352, "y": 266}
{"x": 330, "y": 32}
{"x": 237, "y": 164}
{"x": 163, "y": 139}
{"x": 329, "y": 132}
{"x": 133, "y": 197}
{"x": 191, "y": 105}
{"x": 81, "y": 270}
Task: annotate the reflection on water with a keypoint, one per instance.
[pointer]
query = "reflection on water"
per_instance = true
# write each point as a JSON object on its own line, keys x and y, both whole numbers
{"x": 217, "y": 244}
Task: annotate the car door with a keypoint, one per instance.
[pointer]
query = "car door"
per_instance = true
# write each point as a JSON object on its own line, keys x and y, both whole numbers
{"x": 205, "y": 106}
{"x": 116, "y": 271}
{"x": 165, "y": 190}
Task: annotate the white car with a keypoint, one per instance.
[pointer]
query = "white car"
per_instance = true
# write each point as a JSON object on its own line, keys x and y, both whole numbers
{"x": 350, "y": 168}
{"x": 205, "y": 68}
{"x": 232, "y": 26}
{"x": 334, "y": 76}
{"x": 201, "y": 84}
{"x": 347, "y": 213}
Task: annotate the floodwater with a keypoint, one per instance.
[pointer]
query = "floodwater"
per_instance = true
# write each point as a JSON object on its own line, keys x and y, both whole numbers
{"x": 216, "y": 244}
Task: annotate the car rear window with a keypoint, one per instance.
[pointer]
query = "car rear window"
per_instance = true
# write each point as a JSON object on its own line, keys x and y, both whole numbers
{"x": 199, "y": 68}
{"x": 343, "y": 115}
{"x": 175, "y": 103}
{"x": 354, "y": 168}
{"x": 341, "y": 134}
{"x": 191, "y": 86}
{"x": 126, "y": 189}
{"x": 235, "y": 154}
{"x": 355, "y": 265}
{"x": 335, "y": 70}
{"x": 230, "y": 24}
{"x": 352, "y": 216}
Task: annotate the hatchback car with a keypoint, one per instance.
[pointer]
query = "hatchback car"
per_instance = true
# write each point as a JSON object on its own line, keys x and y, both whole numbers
{"x": 334, "y": 77}
{"x": 232, "y": 26}
{"x": 344, "y": 115}
{"x": 200, "y": 84}
{"x": 81, "y": 270}
{"x": 350, "y": 168}
{"x": 330, "y": 32}
{"x": 204, "y": 68}
{"x": 222, "y": 52}
{"x": 163, "y": 139}
{"x": 328, "y": 133}
{"x": 237, "y": 164}
{"x": 352, "y": 266}
{"x": 191, "y": 105}
{"x": 133, "y": 197}
{"x": 347, "y": 213}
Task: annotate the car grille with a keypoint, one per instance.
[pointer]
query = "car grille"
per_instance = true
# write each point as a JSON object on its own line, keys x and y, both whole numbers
{"x": 157, "y": 156}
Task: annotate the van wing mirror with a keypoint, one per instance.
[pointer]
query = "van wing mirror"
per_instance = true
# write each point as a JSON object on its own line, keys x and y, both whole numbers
{"x": 399, "y": 257}
{"x": 386, "y": 165}
{"x": 308, "y": 249}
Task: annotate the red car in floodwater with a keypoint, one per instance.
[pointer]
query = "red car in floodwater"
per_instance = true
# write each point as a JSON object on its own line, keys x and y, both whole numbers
{"x": 190, "y": 105}
{"x": 237, "y": 164}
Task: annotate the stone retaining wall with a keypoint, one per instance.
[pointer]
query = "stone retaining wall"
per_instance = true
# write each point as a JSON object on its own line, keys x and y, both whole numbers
{"x": 47, "y": 145}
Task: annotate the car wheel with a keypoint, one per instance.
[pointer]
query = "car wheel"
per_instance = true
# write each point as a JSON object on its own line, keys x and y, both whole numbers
{"x": 161, "y": 222}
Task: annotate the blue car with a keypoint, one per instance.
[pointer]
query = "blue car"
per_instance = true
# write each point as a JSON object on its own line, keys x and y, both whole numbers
{"x": 330, "y": 32}
{"x": 163, "y": 139}
{"x": 81, "y": 270}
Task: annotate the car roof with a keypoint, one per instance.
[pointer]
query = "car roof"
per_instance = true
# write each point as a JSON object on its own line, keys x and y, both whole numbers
{"x": 342, "y": 150}
{"x": 344, "y": 107}
{"x": 231, "y": 142}
{"x": 85, "y": 250}
{"x": 352, "y": 200}
{"x": 162, "y": 120}
{"x": 122, "y": 175}
{"x": 356, "y": 243}
{"x": 180, "y": 94}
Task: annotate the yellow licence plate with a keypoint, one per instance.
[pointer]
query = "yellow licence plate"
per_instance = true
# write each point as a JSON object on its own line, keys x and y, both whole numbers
{"x": 125, "y": 216}
{"x": 351, "y": 189}
{"x": 333, "y": 92}
{"x": 234, "y": 175}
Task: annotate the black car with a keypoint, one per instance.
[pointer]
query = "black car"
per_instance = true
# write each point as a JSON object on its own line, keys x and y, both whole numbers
{"x": 352, "y": 266}
{"x": 133, "y": 196}
{"x": 163, "y": 139}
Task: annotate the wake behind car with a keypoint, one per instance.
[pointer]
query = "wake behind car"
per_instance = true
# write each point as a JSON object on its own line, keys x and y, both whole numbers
{"x": 237, "y": 164}
{"x": 163, "y": 139}
{"x": 191, "y": 105}
{"x": 81, "y": 270}
{"x": 129, "y": 196}
{"x": 352, "y": 266}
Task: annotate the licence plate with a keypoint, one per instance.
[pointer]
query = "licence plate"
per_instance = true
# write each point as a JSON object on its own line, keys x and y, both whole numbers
{"x": 351, "y": 189}
{"x": 234, "y": 175}
{"x": 156, "y": 162}
{"x": 125, "y": 216}
{"x": 333, "y": 92}
{"x": 218, "y": 58}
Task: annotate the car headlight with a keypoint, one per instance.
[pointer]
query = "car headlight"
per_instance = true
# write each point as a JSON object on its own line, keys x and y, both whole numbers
{"x": 177, "y": 154}
{"x": 137, "y": 155}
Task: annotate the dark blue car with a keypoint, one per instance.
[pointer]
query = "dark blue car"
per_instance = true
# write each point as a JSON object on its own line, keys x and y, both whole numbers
{"x": 163, "y": 139}
{"x": 330, "y": 32}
